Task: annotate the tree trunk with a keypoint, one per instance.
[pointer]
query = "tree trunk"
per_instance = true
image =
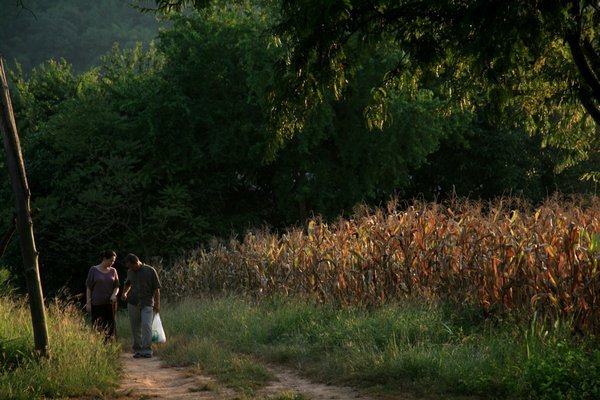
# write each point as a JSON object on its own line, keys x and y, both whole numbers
{"x": 24, "y": 224}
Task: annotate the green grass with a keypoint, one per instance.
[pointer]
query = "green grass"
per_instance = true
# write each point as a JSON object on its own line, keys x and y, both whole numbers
{"x": 423, "y": 349}
{"x": 427, "y": 350}
{"x": 79, "y": 363}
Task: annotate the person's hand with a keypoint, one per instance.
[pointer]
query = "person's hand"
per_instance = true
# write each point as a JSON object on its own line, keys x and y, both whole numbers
{"x": 88, "y": 307}
{"x": 113, "y": 299}
{"x": 124, "y": 297}
{"x": 156, "y": 308}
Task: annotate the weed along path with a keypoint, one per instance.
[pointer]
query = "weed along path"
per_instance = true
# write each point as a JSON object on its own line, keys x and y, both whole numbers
{"x": 151, "y": 379}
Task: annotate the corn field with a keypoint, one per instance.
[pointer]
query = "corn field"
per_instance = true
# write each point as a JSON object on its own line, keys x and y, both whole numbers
{"x": 502, "y": 256}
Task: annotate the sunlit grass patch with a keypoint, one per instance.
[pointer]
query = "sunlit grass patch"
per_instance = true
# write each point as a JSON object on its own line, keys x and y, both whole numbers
{"x": 79, "y": 362}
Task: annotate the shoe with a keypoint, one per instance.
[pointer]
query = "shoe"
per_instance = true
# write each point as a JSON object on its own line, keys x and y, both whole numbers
{"x": 137, "y": 355}
{"x": 147, "y": 355}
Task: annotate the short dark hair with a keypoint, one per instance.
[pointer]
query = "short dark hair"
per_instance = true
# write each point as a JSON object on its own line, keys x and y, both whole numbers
{"x": 106, "y": 254}
{"x": 131, "y": 258}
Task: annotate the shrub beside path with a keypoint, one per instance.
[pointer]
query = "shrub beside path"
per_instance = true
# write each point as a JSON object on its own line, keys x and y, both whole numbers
{"x": 151, "y": 379}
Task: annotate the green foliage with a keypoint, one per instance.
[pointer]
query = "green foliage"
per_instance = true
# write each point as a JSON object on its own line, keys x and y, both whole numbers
{"x": 355, "y": 164}
{"x": 6, "y": 285}
{"x": 40, "y": 96}
{"x": 561, "y": 371}
{"x": 217, "y": 66}
{"x": 173, "y": 7}
{"x": 85, "y": 169}
{"x": 489, "y": 161}
{"x": 514, "y": 61}
{"x": 139, "y": 154}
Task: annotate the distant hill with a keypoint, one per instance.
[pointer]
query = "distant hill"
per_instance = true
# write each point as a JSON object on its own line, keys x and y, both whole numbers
{"x": 79, "y": 31}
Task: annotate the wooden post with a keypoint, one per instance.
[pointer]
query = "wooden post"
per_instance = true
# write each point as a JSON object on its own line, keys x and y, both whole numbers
{"x": 24, "y": 223}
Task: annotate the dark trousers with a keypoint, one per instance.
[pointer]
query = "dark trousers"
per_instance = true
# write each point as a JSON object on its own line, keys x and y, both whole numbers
{"x": 103, "y": 318}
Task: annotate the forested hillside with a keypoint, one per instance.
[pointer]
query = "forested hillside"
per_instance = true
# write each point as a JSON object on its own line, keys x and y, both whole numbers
{"x": 80, "y": 31}
{"x": 157, "y": 149}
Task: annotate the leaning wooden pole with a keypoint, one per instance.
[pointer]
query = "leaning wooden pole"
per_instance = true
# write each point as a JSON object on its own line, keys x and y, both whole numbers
{"x": 24, "y": 223}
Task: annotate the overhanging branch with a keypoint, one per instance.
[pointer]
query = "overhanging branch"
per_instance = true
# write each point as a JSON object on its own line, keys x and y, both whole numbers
{"x": 582, "y": 64}
{"x": 592, "y": 55}
{"x": 588, "y": 103}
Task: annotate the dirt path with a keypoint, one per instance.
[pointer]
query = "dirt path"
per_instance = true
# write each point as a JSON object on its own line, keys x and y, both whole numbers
{"x": 147, "y": 378}
{"x": 288, "y": 381}
{"x": 150, "y": 379}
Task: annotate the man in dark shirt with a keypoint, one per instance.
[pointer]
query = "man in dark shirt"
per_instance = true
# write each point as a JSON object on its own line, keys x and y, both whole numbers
{"x": 142, "y": 293}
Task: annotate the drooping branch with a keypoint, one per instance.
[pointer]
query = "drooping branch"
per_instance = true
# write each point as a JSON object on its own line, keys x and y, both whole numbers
{"x": 586, "y": 60}
{"x": 592, "y": 55}
{"x": 594, "y": 4}
{"x": 588, "y": 103}
{"x": 582, "y": 64}
{"x": 166, "y": 6}
{"x": 22, "y": 6}
{"x": 591, "y": 97}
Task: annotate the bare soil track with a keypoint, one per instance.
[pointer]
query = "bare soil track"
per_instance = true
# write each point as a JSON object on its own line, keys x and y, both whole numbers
{"x": 150, "y": 379}
{"x": 147, "y": 378}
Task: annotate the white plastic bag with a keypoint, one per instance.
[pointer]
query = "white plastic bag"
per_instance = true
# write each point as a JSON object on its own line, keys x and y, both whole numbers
{"x": 158, "y": 333}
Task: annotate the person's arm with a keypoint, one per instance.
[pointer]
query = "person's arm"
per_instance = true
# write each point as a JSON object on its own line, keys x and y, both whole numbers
{"x": 89, "y": 284}
{"x": 126, "y": 289}
{"x": 115, "y": 292}
{"x": 157, "y": 300}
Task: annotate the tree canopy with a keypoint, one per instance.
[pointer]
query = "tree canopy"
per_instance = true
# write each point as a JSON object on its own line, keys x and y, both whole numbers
{"x": 538, "y": 63}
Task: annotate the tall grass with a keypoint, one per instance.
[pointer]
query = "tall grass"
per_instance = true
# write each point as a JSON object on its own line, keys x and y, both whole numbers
{"x": 427, "y": 349}
{"x": 502, "y": 256}
{"x": 79, "y": 364}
